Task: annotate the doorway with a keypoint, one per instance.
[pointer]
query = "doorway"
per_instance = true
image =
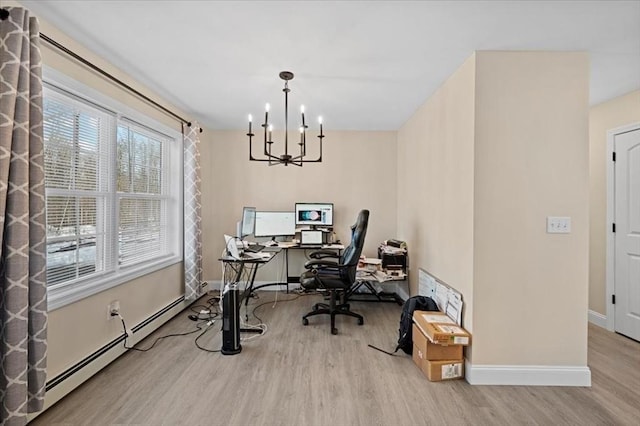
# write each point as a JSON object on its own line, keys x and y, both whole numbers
{"x": 623, "y": 241}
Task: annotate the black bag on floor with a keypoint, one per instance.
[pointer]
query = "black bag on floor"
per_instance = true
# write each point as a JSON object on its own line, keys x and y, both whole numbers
{"x": 419, "y": 303}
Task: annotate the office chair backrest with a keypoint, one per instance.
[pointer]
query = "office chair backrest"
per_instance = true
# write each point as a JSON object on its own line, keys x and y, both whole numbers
{"x": 351, "y": 254}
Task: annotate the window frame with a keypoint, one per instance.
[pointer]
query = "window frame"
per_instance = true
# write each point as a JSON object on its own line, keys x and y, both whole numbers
{"x": 62, "y": 294}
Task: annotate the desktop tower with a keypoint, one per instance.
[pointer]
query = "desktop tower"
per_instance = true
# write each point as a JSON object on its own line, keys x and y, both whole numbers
{"x": 230, "y": 322}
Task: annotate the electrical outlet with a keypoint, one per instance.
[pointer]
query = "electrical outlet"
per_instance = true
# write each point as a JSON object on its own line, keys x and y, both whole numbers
{"x": 113, "y": 307}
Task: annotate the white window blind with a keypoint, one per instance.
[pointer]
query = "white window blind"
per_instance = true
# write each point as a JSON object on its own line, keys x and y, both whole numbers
{"x": 113, "y": 190}
{"x": 141, "y": 200}
{"x": 77, "y": 160}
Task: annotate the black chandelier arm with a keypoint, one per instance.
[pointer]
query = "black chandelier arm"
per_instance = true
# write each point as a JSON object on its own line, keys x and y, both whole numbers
{"x": 304, "y": 160}
{"x": 301, "y": 159}
{"x": 252, "y": 158}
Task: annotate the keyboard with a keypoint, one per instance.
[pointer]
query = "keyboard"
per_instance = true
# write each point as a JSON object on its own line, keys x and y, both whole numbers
{"x": 249, "y": 255}
{"x": 254, "y": 248}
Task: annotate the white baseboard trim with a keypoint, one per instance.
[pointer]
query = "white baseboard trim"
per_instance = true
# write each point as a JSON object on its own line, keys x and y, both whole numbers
{"x": 597, "y": 319}
{"x": 527, "y": 375}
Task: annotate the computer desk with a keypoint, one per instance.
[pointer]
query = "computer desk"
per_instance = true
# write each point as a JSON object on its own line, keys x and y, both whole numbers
{"x": 234, "y": 269}
{"x": 286, "y": 246}
{"x": 241, "y": 270}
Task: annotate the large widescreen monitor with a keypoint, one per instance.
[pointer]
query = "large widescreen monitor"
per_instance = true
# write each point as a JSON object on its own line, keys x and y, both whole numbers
{"x": 275, "y": 224}
{"x": 314, "y": 214}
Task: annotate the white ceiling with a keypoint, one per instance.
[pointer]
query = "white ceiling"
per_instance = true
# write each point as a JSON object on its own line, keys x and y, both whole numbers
{"x": 361, "y": 65}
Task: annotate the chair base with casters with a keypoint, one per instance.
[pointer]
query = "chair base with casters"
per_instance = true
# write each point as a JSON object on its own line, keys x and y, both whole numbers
{"x": 333, "y": 308}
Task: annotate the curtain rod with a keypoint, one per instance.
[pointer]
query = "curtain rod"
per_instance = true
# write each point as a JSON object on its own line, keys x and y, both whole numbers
{"x": 112, "y": 78}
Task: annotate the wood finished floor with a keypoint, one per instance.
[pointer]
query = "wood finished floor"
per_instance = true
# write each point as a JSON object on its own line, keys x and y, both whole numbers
{"x": 296, "y": 375}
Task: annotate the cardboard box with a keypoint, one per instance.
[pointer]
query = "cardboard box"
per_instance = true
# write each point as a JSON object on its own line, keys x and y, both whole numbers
{"x": 432, "y": 351}
{"x": 441, "y": 329}
{"x": 443, "y": 370}
{"x": 418, "y": 355}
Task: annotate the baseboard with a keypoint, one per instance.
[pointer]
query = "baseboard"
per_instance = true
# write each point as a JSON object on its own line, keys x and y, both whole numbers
{"x": 527, "y": 375}
{"x": 62, "y": 384}
{"x": 597, "y": 319}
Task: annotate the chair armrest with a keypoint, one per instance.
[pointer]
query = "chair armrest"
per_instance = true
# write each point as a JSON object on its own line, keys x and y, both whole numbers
{"x": 321, "y": 263}
{"x": 322, "y": 254}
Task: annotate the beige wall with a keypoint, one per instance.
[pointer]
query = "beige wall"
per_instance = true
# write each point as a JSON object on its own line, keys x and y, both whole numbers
{"x": 68, "y": 342}
{"x": 602, "y": 118}
{"x": 435, "y": 184}
{"x": 501, "y": 146}
{"x": 531, "y": 161}
{"x": 358, "y": 171}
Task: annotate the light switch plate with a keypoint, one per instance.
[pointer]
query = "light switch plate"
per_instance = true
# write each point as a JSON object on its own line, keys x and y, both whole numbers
{"x": 558, "y": 225}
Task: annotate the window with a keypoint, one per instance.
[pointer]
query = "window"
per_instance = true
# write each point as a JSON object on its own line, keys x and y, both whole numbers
{"x": 112, "y": 196}
{"x": 141, "y": 203}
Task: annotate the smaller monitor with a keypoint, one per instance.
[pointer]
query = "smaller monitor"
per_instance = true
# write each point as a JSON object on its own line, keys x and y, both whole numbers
{"x": 310, "y": 238}
{"x": 314, "y": 214}
{"x": 275, "y": 224}
{"x": 248, "y": 223}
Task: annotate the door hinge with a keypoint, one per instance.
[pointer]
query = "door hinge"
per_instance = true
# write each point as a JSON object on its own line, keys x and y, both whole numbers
{"x": 613, "y": 227}
{"x": 614, "y": 156}
{"x": 613, "y": 299}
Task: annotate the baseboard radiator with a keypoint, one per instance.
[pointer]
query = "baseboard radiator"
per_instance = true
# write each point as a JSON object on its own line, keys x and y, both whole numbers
{"x": 62, "y": 384}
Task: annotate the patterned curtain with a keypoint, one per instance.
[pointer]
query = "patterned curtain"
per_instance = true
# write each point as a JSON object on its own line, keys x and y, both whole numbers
{"x": 192, "y": 218}
{"x": 23, "y": 288}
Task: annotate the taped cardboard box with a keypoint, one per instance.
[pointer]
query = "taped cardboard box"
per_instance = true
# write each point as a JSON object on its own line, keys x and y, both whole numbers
{"x": 423, "y": 349}
{"x": 441, "y": 329}
{"x": 443, "y": 370}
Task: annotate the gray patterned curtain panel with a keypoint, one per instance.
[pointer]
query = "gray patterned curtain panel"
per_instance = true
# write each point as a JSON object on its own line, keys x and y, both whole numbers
{"x": 192, "y": 218}
{"x": 23, "y": 291}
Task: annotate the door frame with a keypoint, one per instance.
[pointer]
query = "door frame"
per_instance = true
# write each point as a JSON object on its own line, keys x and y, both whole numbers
{"x": 610, "y": 262}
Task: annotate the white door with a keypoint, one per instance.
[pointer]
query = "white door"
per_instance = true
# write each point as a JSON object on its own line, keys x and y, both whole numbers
{"x": 627, "y": 233}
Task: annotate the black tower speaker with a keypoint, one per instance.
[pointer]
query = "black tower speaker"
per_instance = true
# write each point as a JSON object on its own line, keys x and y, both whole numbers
{"x": 230, "y": 323}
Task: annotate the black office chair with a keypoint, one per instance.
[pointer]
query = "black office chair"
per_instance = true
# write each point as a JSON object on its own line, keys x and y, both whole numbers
{"x": 336, "y": 274}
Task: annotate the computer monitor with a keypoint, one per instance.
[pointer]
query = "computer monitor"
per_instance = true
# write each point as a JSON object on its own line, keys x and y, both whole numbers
{"x": 314, "y": 214}
{"x": 248, "y": 223}
{"x": 275, "y": 224}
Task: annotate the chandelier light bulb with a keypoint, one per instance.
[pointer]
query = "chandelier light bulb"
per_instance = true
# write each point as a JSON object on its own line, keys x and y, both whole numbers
{"x": 320, "y": 120}
{"x": 302, "y": 109}
{"x": 267, "y": 107}
{"x": 250, "y": 118}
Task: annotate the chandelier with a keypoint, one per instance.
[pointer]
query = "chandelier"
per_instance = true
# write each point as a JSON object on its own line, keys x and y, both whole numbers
{"x": 296, "y": 159}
